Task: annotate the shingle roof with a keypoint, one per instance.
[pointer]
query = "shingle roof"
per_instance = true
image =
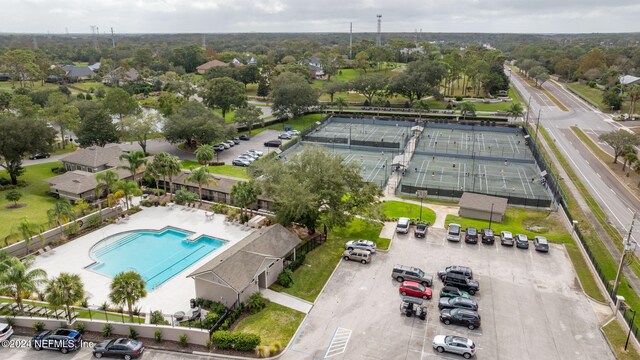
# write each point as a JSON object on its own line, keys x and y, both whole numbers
{"x": 78, "y": 71}
{"x": 482, "y": 202}
{"x": 94, "y": 156}
{"x": 212, "y": 63}
{"x": 629, "y": 79}
{"x": 78, "y": 182}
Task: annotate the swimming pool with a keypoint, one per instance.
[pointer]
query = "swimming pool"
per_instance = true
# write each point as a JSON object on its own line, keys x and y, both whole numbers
{"x": 156, "y": 255}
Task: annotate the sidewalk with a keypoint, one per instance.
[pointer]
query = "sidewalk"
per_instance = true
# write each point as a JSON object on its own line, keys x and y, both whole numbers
{"x": 287, "y": 300}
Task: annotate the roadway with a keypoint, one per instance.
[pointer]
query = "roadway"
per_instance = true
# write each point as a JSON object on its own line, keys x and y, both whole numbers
{"x": 617, "y": 202}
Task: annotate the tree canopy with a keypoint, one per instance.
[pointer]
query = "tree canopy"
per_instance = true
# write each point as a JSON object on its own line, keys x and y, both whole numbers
{"x": 224, "y": 93}
{"x": 193, "y": 122}
{"x": 292, "y": 95}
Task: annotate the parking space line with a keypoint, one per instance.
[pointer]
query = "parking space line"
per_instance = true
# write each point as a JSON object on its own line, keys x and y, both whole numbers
{"x": 338, "y": 343}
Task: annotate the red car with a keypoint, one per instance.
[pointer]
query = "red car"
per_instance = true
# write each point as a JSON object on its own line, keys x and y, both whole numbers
{"x": 414, "y": 289}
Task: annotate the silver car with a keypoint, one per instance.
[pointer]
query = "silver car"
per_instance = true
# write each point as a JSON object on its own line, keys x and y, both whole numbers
{"x": 453, "y": 232}
{"x": 257, "y": 152}
{"x": 455, "y": 344}
{"x": 361, "y": 244}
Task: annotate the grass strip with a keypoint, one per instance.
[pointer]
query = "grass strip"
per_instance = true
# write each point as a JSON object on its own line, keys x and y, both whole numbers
{"x": 617, "y": 337}
{"x": 274, "y": 323}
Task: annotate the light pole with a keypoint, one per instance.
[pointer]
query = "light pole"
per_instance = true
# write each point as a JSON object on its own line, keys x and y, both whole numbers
{"x": 538, "y": 123}
{"x": 629, "y": 333}
{"x": 491, "y": 216}
{"x": 575, "y": 224}
{"x": 528, "y": 109}
{"x": 627, "y": 247}
{"x": 421, "y": 194}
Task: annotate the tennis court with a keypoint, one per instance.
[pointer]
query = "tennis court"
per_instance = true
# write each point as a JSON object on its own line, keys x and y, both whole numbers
{"x": 374, "y": 165}
{"x": 483, "y": 142}
{"x": 362, "y": 133}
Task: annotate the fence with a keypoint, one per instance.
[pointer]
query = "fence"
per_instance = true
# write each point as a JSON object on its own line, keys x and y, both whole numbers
{"x": 552, "y": 179}
{"x": 452, "y": 193}
{"x": 224, "y": 317}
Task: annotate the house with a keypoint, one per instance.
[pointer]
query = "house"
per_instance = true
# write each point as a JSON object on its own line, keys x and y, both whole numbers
{"x": 121, "y": 76}
{"x": 482, "y": 207}
{"x": 73, "y": 72}
{"x": 315, "y": 67}
{"x": 411, "y": 51}
{"x": 208, "y": 65}
{"x": 95, "y": 67}
{"x": 250, "y": 60}
{"x": 629, "y": 80}
{"x": 92, "y": 159}
{"x": 237, "y": 62}
{"x": 252, "y": 264}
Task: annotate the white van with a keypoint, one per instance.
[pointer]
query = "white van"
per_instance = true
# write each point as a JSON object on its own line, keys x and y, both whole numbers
{"x": 403, "y": 225}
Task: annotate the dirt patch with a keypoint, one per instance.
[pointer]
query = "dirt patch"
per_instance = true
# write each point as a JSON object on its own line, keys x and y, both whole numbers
{"x": 15, "y": 206}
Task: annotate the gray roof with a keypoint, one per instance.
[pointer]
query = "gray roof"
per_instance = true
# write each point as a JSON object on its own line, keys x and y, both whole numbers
{"x": 78, "y": 182}
{"x": 483, "y": 202}
{"x": 78, "y": 71}
{"x": 629, "y": 80}
{"x": 94, "y": 156}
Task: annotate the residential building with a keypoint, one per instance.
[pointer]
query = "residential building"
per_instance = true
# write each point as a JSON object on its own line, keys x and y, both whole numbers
{"x": 208, "y": 65}
{"x": 121, "y": 76}
{"x": 76, "y": 73}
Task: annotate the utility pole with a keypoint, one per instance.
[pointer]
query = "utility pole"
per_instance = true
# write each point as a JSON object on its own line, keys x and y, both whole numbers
{"x": 93, "y": 35}
{"x": 538, "y": 123}
{"x": 350, "y": 40}
{"x": 379, "y": 39}
{"x": 528, "y": 110}
{"x": 113, "y": 44}
{"x": 627, "y": 248}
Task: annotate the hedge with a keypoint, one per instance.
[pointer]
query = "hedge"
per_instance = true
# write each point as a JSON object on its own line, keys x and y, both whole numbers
{"x": 240, "y": 341}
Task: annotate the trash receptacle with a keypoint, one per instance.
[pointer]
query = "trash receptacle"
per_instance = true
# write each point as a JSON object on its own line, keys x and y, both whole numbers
{"x": 192, "y": 303}
{"x": 287, "y": 128}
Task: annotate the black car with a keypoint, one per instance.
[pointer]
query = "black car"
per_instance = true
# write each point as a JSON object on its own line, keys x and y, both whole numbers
{"x": 471, "y": 235}
{"x": 64, "y": 340}
{"x": 468, "y": 318}
{"x": 457, "y": 303}
{"x": 120, "y": 348}
{"x": 273, "y": 143}
{"x": 462, "y": 282}
{"x": 244, "y": 137}
{"x": 452, "y": 291}
{"x": 421, "y": 230}
{"x": 487, "y": 236}
{"x": 38, "y": 156}
{"x": 455, "y": 269}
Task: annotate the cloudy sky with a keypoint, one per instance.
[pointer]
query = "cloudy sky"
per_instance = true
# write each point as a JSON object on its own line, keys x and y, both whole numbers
{"x": 218, "y": 16}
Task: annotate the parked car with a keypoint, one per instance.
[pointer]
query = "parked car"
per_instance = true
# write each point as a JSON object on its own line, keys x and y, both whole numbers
{"x": 541, "y": 244}
{"x": 39, "y": 156}
{"x": 453, "y": 232}
{"x": 471, "y": 235}
{"x": 522, "y": 241}
{"x": 254, "y": 156}
{"x": 257, "y": 152}
{"x": 455, "y": 269}
{"x": 244, "y": 137}
{"x": 121, "y": 348}
{"x": 273, "y": 143}
{"x": 361, "y": 244}
{"x": 226, "y": 146}
{"x": 468, "y": 318}
{"x": 421, "y": 230}
{"x": 364, "y": 256}
{"x": 462, "y": 282}
{"x": 231, "y": 143}
{"x": 452, "y": 291}
{"x": 454, "y": 344}
{"x": 64, "y": 340}
{"x": 218, "y": 147}
{"x": 6, "y": 331}
{"x": 457, "y": 303}
{"x": 403, "y": 225}
{"x": 487, "y": 236}
{"x": 284, "y": 136}
{"x": 506, "y": 238}
{"x": 414, "y": 289}
{"x": 236, "y": 140}
{"x": 404, "y": 272}
{"x": 248, "y": 158}
{"x": 412, "y": 306}
{"x": 240, "y": 162}
{"x": 294, "y": 132}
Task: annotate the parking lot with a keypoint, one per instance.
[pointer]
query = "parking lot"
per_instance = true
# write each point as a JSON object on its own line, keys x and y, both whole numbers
{"x": 530, "y": 303}
{"x": 256, "y": 142}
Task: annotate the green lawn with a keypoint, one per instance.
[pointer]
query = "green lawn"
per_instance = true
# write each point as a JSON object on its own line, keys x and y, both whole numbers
{"x": 319, "y": 263}
{"x": 382, "y": 243}
{"x": 520, "y": 221}
{"x": 229, "y": 170}
{"x": 275, "y": 323}
{"x": 6, "y": 85}
{"x": 395, "y": 209}
{"x": 593, "y": 95}
{"x": 617, "y": 337}
{"x": 69, "y": 147}
{"x": 87, "y": 85}
{"x": 300, "y": 123}
{"x": 34, "y": 196}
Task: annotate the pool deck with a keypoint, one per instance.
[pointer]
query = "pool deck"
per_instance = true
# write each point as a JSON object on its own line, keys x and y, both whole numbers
{"x": 171, "y": 296}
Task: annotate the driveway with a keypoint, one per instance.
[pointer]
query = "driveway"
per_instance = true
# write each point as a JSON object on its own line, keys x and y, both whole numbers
{"x": 530, "y": 303}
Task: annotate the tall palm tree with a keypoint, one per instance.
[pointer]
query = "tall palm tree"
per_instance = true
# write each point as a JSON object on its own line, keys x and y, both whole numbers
{"x": 159, "y": 167}
{"x": 466, "y": 108}
{"x": 26, "y": 230}
{"x": 66, "y": 289}
{"x": 105, "y": 180}
{"x": 4, "y": 260}
{"x": 61, "y": 212}
{"x": 634, "y": 96}
{"x": 341, "y": 102}
{"x": 172, "y": 167}
{"x": 135, "y": 160}
{"x": 204, "y": 154}
{"x": 201, "y": 176}
{"x": 515, "y": 110}
{"x": 19, "y": 279}
{"x": 421, "y": 105}
{"x": 127, "y": 288}
{"x": 630, "y": 158}
{"x": 128, "y": 188}
{"x": 244, "y": 193}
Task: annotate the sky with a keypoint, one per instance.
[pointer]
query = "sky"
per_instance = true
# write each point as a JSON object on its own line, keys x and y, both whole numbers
{"x": 225, "y": 16}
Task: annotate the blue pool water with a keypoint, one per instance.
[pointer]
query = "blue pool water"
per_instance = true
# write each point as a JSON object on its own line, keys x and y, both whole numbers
{"x": 156, "y": 255}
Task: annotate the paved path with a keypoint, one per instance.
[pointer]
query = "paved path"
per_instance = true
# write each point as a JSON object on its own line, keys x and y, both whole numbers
{"x": 287, "y": 300}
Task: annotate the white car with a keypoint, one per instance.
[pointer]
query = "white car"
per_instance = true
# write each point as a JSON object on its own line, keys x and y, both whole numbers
{"x": 455, "y": 344}
{"x": 294, "y": 132}
{"x": 246, "y": 158}
{"x": 5, "y": 332}
{"x": 361, "y": 244}
{"x": 226, "y": 146}
{"x": 257, "y": 152}
{"x": 230, "y": 142}
{"x": 254, "y": 156}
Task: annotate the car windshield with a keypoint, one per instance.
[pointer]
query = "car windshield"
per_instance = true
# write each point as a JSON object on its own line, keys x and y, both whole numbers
{"x": 421, "y": 273}
{"x": 422, "y": 287}
{"x": 507, "y": 235}
{"x": 471, "y": 231}
{"x": 454, "y": 230}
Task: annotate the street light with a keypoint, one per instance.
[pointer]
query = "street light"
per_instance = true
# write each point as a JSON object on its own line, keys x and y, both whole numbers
{"x": 491, "y": 216}
{"x": 630, "y": 325}
{"x": 626, "y": 249}
{"x": 421, "y": 194}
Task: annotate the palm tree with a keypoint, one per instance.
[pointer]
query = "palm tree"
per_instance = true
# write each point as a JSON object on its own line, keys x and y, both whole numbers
{"x": 204, "y": 154}
{"x": 630, "y": 158}
{"x": 634, "y": 96}
{"x": 421, "y": 105}
{"x": 628, "y": 153}
{"x": 341, "y": 102}
{"x": 105, "y": 180}
{"x": 26, "y": 230}
{"x": 244, "y": 193}
{"x": 19, "y": 279}
{"x": 515, "y": 110}
{"x": 172, "y": 168}
{"x": 201, "y": 176}
{"x": 135, "y": 160}
{"x": 127, "y": 288}
{"x": 466, "y": 108}
{"x": 158, "y": 167}
{"x": 66, "y": 289}
{"x": 61, "y": 212}
{"x": 128, "y": 188}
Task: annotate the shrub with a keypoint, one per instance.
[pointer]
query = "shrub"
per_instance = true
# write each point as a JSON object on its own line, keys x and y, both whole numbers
{"x": 9, "y": 321}
{"x": 183, "y": 340}
{"x": 145, "y": 203}
{"x": 80, "y": 96}
{"x": 184, "y": 196}
{"x": 88, "y": 97}
{"x": 286, "y": 278}
{"x": 157, "y": 335}
{"x": 275, "y": 348}
{"x": 79, "y": 327}
{"x": 93, "y": 220}
{"x": 458, "y": 98}
{"x": 592, "y": 84}
{"x": 449, "y": 106}
{"x": 38, "y": 326}
{"x": 245, "y": 341}
{"x": 256, "y": 303}
{"x": 221, "y": 339}
{"x": 366, "y": 103}
{"x": 106, "y": 330}
{"x": 157, "y": 318}
{"x": 210, "y": 320}
{"x": 133, "y": 334}
{"x": 216, "y": 163}
{"x": 297, "y": 262}
{"x": 244, "y": 218}
{"x": 263, "y": 351}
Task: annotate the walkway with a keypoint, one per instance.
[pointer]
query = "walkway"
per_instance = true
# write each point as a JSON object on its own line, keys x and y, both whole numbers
{"x": 287, "y": 300}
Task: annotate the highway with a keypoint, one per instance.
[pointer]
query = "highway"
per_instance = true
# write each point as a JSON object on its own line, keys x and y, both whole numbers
{"x": 617, "y": 203}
